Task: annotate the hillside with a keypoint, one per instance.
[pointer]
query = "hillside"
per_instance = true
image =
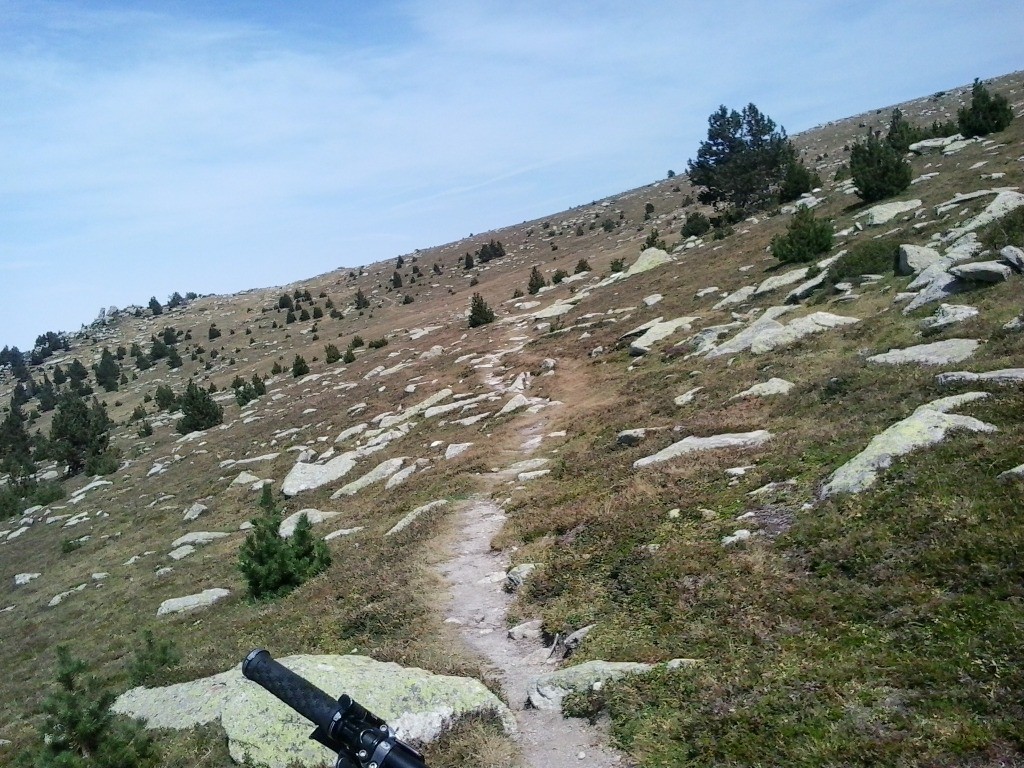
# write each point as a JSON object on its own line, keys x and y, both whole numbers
{"x": 838, "y": 581}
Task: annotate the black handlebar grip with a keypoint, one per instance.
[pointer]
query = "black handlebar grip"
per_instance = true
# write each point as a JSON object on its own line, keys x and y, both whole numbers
{"x": 294, "y": 690}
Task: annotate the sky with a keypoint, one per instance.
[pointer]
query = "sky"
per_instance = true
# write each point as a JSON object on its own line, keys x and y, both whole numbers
{"x": 153, "y": 147}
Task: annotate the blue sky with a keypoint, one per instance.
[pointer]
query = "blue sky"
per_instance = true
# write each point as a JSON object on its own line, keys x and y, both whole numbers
{"x": 152, "y": 147}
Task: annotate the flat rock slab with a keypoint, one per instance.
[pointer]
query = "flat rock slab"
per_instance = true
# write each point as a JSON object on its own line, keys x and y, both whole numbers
{"x": 988, "y": 272}
{"x": 883, "y": 213}
{"x": 262, "y": 730}
{"x": 927, "y": 425}
{"x": 1001, "y": 376}
{"x": 308, "y": 477}
{"x": 415, "y": 514}
{"x": 774, "y": 386}
{"x": 692, "y": 444}
{"x": 658, "y": 332}
{"x": 198, "y": 537}
{"x": 382, "y": 471}
{"x": 949, "y": 314}
{"x": 937, "y": 353}
{"x": 192, "y": 602}
{"x": 548, "y": 690}
{"x": 1004, "y": 202}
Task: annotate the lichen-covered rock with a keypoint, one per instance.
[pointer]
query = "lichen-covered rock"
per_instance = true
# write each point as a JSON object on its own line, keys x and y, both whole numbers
{"x": 1001, "y": 376}
{"x": 914, "y": 259}
{"x": 648, "y": 260}
{"x": 774, "y": 386}
{"x": 198, "y": 537}
{"x": 692, "y": 444}
{"x": 657, "y": 332}
{"x": 949, "y": 314}
{"x": 937, "y": 353}
{"x": 927, "y": 425}
{"x": 410, "y": 518}
{"x": 265, "y": 731}
{"x": 883, "y": 213}
{"x": 1004, "y": 202}
{"x": 192, "y": 602}
{"x": 548, "y": 690}
{"x": 982, "y": 272}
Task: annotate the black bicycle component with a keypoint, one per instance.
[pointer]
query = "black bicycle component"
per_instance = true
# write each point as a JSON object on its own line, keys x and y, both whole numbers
{"x": 358, "y": 736}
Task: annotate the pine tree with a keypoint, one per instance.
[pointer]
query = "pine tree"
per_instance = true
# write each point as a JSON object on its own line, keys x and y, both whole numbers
{"x": 536, "y": 282}
{"x": 80, "y": 729}
{"x": 479, "y": 312}
{"x": 987, "y": 113}
{"x": 878, "y": 170}
{"x": 274, "y": 566}
{"x": 743, "y": 162}
{"x": 349, "y": 356}
{"x": 299, "y": 366}
{"x": 805, "y": 238}
{"x": 154, "y": 306}
{"x": 361, "y": 301}
{"x": 199, "y": 410}
{"x": 15, "y": 450}
{"x": 107, "y": 371}
{"x": 396, "y": 280}
{"x": 468, "y": 262}
{"x": 79, "y": 434}
{"x": 331, "y": 354}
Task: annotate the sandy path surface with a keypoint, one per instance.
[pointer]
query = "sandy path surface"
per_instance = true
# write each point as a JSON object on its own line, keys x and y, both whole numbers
{"x": 479, "y": 604}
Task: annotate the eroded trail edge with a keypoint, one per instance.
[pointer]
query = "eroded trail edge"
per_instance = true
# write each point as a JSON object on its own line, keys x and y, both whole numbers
{"x": 479, "y": 604}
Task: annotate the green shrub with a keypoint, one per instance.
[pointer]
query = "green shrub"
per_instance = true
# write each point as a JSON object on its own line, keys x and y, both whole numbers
{"x": 878, "y": 170}
{"x": 377, "y": 343}
{"x": 868, "y": 257}
{"x": 273, "y": 566}
{"x": 145, "y": 429}
{"x": 198, "y": 410}
{"x": 479, "y": 312}
{"x": 536, "y": 281}
{"x": 152, "y": 659}
{"x": 299, "y": 366}
{"x": 214, "y": 332}
{"x": 653, "y": 241}
{"x": 696, "y": 224}
{"x": 805, "y": 238}
{"x": 79, "y": 728}
{"x": 581, "y": 266}
{"x": 608, "y": 225}
{"x": 67, "y": 546}
{"x": 357, "y": 341}
{"x": 617, "y": 265}
{"x": 349, "y": 356}
{"x": 331, "y": 354}
{"x": 986, "y": 114}
{"x": 798, "y": 180}
{"x": 559, "y": 276}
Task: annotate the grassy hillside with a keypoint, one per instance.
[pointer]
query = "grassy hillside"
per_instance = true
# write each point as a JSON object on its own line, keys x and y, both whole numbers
{"x": 884, "y": 627}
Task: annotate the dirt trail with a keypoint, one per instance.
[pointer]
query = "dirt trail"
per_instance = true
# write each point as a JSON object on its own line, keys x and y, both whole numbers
{"x": 479, "y": 604}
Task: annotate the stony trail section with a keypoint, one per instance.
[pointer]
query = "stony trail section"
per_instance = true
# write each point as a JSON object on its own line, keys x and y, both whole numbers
{"x": 479, "y": 603}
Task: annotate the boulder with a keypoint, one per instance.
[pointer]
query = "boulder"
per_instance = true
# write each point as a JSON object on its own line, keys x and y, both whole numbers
{"x": 806, "y": 288}
{"x": 548, "y": 690}
{"x": 928, "y": 424}
{"x": 949, "y": 314}
{"x": 517, "y": 402}
{"x": 648, "y": 260}
{"x": 1011, "y": 475}
{"x": 528, "y": 630}
{"x": 194, "y": 511}
{"x": 937, "y": 353}
{"x": 315, "y": 517}
{"x": 982, "y": 272}
{"x": 262, "y": 730}
{"x": 687, "y": 396}
{"x": 774, "y": 386}
{"x": 914, "y": 259}
{"x": 181, "y": 552}
{"x": 574, "y": 639}
{"x": 21, "y": 579}
{"x": 941, "y": 285}
{"x": 1013, "y": 257}
{"x": 927, "y": 145}
{"x": 454, "y": 449}
{"x": 192, "y": 602}
{"x": 410, "y": 518}
{"x": 245, "y": 478}
{"x": 516, "y": 577}
{"x": 766, "y": 323}
{"x": 692, "y": 444}
{"x": 631, "y": 437}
